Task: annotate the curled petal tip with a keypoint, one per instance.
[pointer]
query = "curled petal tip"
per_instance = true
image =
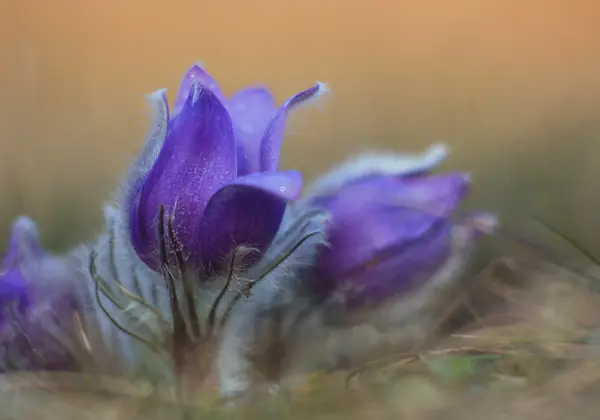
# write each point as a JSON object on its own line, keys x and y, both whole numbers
{"x": 317, "y": 91}
{"x": 24, "y": 240}
{"x": 25, "y": 224}
{"x": 25, "y": 232}
{"x": 273, "y": 136}
{"x": 437, "y": 152}
{"x": 306, "y": 96}
{"x": 322, "y": 88}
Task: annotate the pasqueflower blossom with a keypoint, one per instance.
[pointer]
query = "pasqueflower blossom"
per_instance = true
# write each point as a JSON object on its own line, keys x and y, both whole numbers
{"x": 38, "y": 308}
{"x": 391, "y": 227}
{"x": 211, "y": 180}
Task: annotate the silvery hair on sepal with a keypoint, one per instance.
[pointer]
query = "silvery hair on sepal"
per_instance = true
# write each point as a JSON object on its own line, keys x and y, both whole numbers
{"x": 127, "y": 302}
{"x": 133, "y": 304}
{"x": 140, "y": 167}
{"x": 261, "y": 322}
{"x": 377, "y": 163}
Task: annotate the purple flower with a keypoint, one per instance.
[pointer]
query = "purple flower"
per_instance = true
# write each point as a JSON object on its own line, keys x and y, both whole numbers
{"x": 37, "y": 307}
{"x": 211, "y": 170}
{"x": 391, "y": 231}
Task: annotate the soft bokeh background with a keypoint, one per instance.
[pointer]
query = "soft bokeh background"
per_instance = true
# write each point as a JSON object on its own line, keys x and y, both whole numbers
{"x": 512, "y": 85}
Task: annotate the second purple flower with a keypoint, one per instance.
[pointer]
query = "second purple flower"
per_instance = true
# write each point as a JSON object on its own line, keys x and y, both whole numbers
{"x": 394, "y": 227}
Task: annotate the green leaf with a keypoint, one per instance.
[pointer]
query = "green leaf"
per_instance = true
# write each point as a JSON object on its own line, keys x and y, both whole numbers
{"x": 454, "y": 368}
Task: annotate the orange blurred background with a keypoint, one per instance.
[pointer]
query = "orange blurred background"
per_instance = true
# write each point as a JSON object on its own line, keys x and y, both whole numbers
{"x": 512, "y": 85}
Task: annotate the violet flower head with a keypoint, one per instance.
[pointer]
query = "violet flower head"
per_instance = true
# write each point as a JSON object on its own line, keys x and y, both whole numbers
{"x": 391, "y": 230}
{"x": 37, "y": 305}
{"x": 13, "y": 287}
{"x": 208, "y": 176}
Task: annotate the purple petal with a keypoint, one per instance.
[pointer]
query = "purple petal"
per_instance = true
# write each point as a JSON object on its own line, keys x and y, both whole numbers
{"x": 196, "y": 74}
{"x": 379, "y": 164}
{"x": 251, "y": 110}
{"x": 379, "y": 212}
{"x": 13, "y": 290}
{"x": 36, "y": 319}
{"x": 436, "y": 195}
{"x": 405, "y": 269}
{"x": 197, "y": 159}
{"x": 37, "y": 302}
{"x": 357, "y": 240}
{"x": 408, "y": 266}
{"x": 247, "y": 212}
{"x": 24, "y": 242}
{"x": 272, "y": 139}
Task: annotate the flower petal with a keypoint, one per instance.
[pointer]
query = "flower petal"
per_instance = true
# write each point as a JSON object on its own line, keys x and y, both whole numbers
{"x": 407, "y": 267}
{"x": 247, "y": 212}
{"x": 196, "y": 74}
{"x": 13, "y": 291}
{"x": 196, "y": 160}
{"x": 24, "y": 242}
{"x": 373, "y": 164}
{"x": 271, "y": 142}
{"x": 370, "y": 216}
{"x": 38, "y": 298}
{"x": 24, "y": 251}
{"x": 251, "y": 110}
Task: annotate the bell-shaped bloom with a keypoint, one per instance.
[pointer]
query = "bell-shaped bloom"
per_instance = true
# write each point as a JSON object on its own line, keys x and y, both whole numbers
{"x": 38, "y": 305}
{"x": 390, "y": 230}
{"x": 210, "y": 170}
